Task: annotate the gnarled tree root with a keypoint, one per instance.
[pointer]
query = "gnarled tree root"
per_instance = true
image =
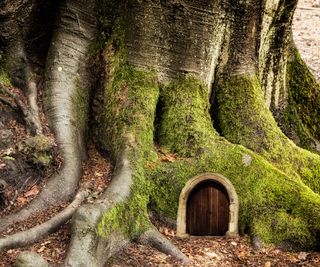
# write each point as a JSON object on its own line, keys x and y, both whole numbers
{"x": 90, "y": 249}
{"x": 29, "y": 236}
{"x": 86, "y": 247}
{"x": 65, "y": 101}
{"x": 155, "y": 239}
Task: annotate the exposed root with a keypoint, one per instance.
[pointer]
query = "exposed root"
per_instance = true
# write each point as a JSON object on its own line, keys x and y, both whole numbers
{"x": 86, "y": 247}
{"x": 22, "y": 77}
{"x": 29, "y": 236}
{"x": 31, "y": 112}
{"x": 155, "y": 239}
{"x": 50, "y": 194}
{"x": 8, "y": 103}
{"x": 30, "y": 259}
{"x": 66, "y": 103}
{"x": 34, "y": 116}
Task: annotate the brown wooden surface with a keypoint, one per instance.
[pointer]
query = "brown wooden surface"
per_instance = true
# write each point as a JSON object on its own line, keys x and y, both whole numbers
{"x": 208, "y": 210}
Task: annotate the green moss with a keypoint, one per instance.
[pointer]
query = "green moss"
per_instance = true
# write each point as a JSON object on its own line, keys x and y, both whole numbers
{"x": 129, "y": 218}
{"x": 4, "y": 78}
{"x": 132, "y": 95}
{"x": 282, "y": 227}
{"x": 302, "y": 114}
{"x": 190, "y": 128}
{"x": 109, "y": 15}
{"x": 243, "y": 118}
{"x": 38, "y": 150}
{"x": 261, "y": 187}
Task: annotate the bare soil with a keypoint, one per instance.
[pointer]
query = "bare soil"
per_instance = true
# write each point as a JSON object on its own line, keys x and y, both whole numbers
{"x": 306, "y": 33}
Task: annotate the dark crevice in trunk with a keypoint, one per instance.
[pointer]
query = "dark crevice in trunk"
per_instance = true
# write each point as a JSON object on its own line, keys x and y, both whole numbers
{"x": 158, "y": 119}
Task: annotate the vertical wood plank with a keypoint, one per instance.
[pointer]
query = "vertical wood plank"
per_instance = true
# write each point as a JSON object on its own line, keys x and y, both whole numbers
{"x": 207, "y": 210}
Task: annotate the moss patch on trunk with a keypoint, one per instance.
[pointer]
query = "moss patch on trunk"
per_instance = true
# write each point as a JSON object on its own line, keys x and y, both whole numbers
{"x": 301, "y": 120}
{"x": 244, "y": 119}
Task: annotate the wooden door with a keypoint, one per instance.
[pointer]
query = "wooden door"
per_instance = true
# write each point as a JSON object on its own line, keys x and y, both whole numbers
{"x": 208, "y": 210}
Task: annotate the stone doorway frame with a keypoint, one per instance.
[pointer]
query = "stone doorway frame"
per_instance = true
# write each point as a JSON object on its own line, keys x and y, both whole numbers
{"x": 190, "y": 185}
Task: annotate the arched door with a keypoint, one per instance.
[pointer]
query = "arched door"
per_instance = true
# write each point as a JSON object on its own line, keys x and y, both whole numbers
{"x": 208, "y": 210}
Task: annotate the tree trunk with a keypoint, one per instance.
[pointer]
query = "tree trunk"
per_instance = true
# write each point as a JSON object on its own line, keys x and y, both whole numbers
{"x": 218, "y": 84}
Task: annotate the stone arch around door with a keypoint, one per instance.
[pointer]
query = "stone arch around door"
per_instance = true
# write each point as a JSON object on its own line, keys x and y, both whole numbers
{"x": 186, "y": 191}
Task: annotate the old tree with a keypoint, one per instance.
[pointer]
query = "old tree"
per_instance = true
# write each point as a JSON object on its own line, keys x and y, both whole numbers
{"x": 218, "y": 83}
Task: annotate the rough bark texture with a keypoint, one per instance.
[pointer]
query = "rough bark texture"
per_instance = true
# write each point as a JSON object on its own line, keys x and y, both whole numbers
{"x": 67, "y": 89}
{"x": 211, "y": 81}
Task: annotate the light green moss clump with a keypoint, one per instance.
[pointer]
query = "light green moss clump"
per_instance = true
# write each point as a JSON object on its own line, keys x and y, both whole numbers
{"x": 4, "y": 79}
{"x": 4, "y": 76}
{"x": 38, "y": 150}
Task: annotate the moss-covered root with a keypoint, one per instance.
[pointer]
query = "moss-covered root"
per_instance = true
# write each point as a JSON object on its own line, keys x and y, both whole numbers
{"x": 301, "y": 121}
{"x": 87, "y": 248}
{"x": 155, "y": 239}
{"x": 261, "y": 187}
{"x": 121, "y": 214}
{"x": 242, "y": 117}
{"x": 264, "y": 194}
{"x": 294, "y": 227}
{"x": 185, "y": 124}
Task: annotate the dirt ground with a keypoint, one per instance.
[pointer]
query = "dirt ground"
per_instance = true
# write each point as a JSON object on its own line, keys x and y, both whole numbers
{"x": 214, "y": 251}
{"x": 306, "y": 33}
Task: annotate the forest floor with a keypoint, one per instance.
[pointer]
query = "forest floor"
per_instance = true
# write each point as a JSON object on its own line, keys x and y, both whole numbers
{"x": 213, "y": 251}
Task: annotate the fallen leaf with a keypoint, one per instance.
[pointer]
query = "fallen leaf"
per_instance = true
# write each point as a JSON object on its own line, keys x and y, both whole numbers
{"x": 41, "y": 249}
{"x": 32, "y": 192}
{"x": 212, "y": 255}
{"x": 241, "y": 254}
{"x": 267, "y": 264}
{"x": 22, "y": 200}
{"x": 302, "y": 256}
{"x": 98, "y": 174}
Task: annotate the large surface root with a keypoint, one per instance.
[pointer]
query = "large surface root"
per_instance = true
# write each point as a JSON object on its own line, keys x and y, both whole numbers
{"x": 29, "y": 236}
{"x": 255, "y": 128}
{"x": 86, "y": 247}
{"x": 261, "y": 187}
{"x": 155, "y": 239}
{"x": 66, "y": 103}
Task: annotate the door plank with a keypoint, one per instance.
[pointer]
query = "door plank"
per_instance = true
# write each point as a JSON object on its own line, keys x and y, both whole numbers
{"x": 207, "y": 210}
